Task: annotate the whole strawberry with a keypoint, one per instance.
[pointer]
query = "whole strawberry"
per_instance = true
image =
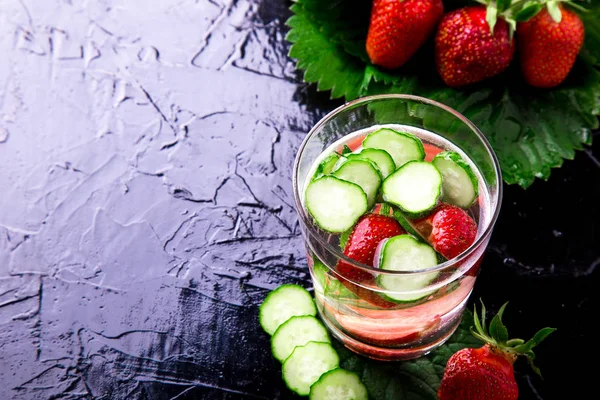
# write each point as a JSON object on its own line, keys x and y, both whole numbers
{"x": 548, "y": 46}
{"x": 466, "y": 50}
{"x": 487, "y": 373}
{"x": 448, "y": 229}
{"x": 399, "y": 27}
{"x": 361, "y": 246}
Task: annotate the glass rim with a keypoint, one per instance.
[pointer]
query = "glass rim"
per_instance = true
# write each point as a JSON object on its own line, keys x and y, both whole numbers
{"x": 305, "y": 218}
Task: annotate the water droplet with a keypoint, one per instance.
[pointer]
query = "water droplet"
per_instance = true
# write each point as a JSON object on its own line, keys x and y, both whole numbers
{"x": 556, "y": 233}
{"x": 3, "y": 135}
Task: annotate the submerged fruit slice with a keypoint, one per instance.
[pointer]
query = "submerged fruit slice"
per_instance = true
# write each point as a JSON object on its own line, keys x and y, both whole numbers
{"x": 405, "y": 253}
{"x": 306, "y": 364}
{"x": 339, "y": 384}
{"x": 326, "y": 166}
{"x": 460, "y": 185}
{"x": 403, "y": 147}
{"x": 362, "y": 173}
{"x": 335, "y": 204}
{"x": 381, "y": 158}
{"x": 283, "y": 303}
{"x": 297, "y": 331}
{"x": 415, "y": 187}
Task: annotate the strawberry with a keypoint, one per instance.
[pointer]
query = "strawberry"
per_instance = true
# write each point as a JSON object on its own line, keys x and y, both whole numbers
{"x": 448, "y": 229}
{"x": 398, "y": 28}
{"x": 466, "y": 50}
{"x": 361, "y": 246}
{"x": 362, "y": 243}
{"x": 548, "y": 47}
{"x": 487, "y": 373}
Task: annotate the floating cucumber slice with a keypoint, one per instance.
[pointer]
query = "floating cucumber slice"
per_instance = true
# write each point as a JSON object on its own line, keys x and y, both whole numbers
{"x": 403, "y": 147}
{"x": 415, "y": 187}
{"x": 362, "y": 173}
{"x": 406, "y": 253}
{"x": 381, "y": 158}
{"x": 460, "y": 185}
{"x": 326, "y": 166}
{"x": 335, "y": 204}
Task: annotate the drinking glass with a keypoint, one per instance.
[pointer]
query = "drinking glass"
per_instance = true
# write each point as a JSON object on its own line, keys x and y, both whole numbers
{"x": 354, "y": 308}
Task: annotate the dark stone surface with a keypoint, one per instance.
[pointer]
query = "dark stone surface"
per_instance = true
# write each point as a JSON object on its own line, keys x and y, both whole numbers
{"x": 146, "y": 208}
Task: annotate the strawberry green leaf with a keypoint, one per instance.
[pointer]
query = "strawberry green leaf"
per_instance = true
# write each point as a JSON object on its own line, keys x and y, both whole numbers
{"x": 537, "y": 339}
{"x": 554, "y": 11}
{"x": 527, "y": 12}
{"x": 503, "y": 5}
{"x": 497, "y": 329}
{"x": 416, "y": 379}
{"x": 591, "y": 21}
{"x": 531, "y": 130}
{"x": 491, "y": 15}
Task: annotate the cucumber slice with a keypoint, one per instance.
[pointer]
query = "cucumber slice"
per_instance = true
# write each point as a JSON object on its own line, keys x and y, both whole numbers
{"x": 326, "y": 166}
{"x": 306, "y": 364}
{"x": 403, "y": 147}
{"x": 339, "y": 384}
{"x": 459, "y": 183}
{"x": 381, "y": 158}
{"x": 362, "y": 173}
{"x": 335, "y": 204}
{"x": 406, "y": 253}
{"x": 297, "y": 331}
{"x": 283, "y": 303}
{"x": 415, "y": 187}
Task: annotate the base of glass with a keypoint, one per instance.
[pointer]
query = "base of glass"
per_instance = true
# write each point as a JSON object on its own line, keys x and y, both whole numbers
{"x": 386, "y": 353}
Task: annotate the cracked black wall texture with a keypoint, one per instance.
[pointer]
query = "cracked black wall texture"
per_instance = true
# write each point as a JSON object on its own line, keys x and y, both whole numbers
{"x": 146, "y": 209}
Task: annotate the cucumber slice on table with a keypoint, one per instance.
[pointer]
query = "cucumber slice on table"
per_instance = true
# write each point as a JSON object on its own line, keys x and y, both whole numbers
{"x": 362, "y": 173}
{"x": 297, "y": 331}
{"x": 460, "y": 184}
{"x": 405, "y": 253}
{"x": 335, "y": 204}
{"x": 283, "y": 303}
{"x": 381, "y": 158}
{"x": 339, "y": 384}
{"x": 326, "y": 166}
{"x": 403, "y": 147}
{"x": 415, "y": 187}
{"x": 306, "y": 364}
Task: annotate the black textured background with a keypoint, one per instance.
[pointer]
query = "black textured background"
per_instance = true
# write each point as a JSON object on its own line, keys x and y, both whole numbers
{"x": 146, "y": 208}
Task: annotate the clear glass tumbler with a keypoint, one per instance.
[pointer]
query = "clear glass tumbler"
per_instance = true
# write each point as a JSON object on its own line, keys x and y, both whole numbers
{"x": 352, "y": 305}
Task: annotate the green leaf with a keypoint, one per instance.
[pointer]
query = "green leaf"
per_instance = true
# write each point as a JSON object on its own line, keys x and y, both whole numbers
{"x": 416, "y": 379}
{"x": 491, "y": 15}
{"x": 554, "y": 11}
{"x": 344, "y": 238}
{"x": 527, "y": 12}
{"x": 591, "y": 21}
{"x": 531, "y": 130}
{"x": 503, "y": 5}
{"x": 497, "y": 329}
{"x": 537, "y": 339}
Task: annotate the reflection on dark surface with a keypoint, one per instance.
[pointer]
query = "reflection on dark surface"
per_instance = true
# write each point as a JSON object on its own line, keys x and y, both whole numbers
{"x": 146, "y": 207}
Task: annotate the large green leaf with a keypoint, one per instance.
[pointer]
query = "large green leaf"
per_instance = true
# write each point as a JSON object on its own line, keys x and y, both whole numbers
{"x": 531, "y": 130}
{"x": 416, "y": 379}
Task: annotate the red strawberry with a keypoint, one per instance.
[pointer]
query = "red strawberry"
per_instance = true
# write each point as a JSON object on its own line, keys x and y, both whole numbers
{"x": 465, "y": 49}
{"x": 487, "y": 373}
{"x": 361, "y": 246}
{"x": 547, "y": 48}
{"x": 449, "y": 229}
{"x": 398, "y": 28}
{"x": 362, "y": 243}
